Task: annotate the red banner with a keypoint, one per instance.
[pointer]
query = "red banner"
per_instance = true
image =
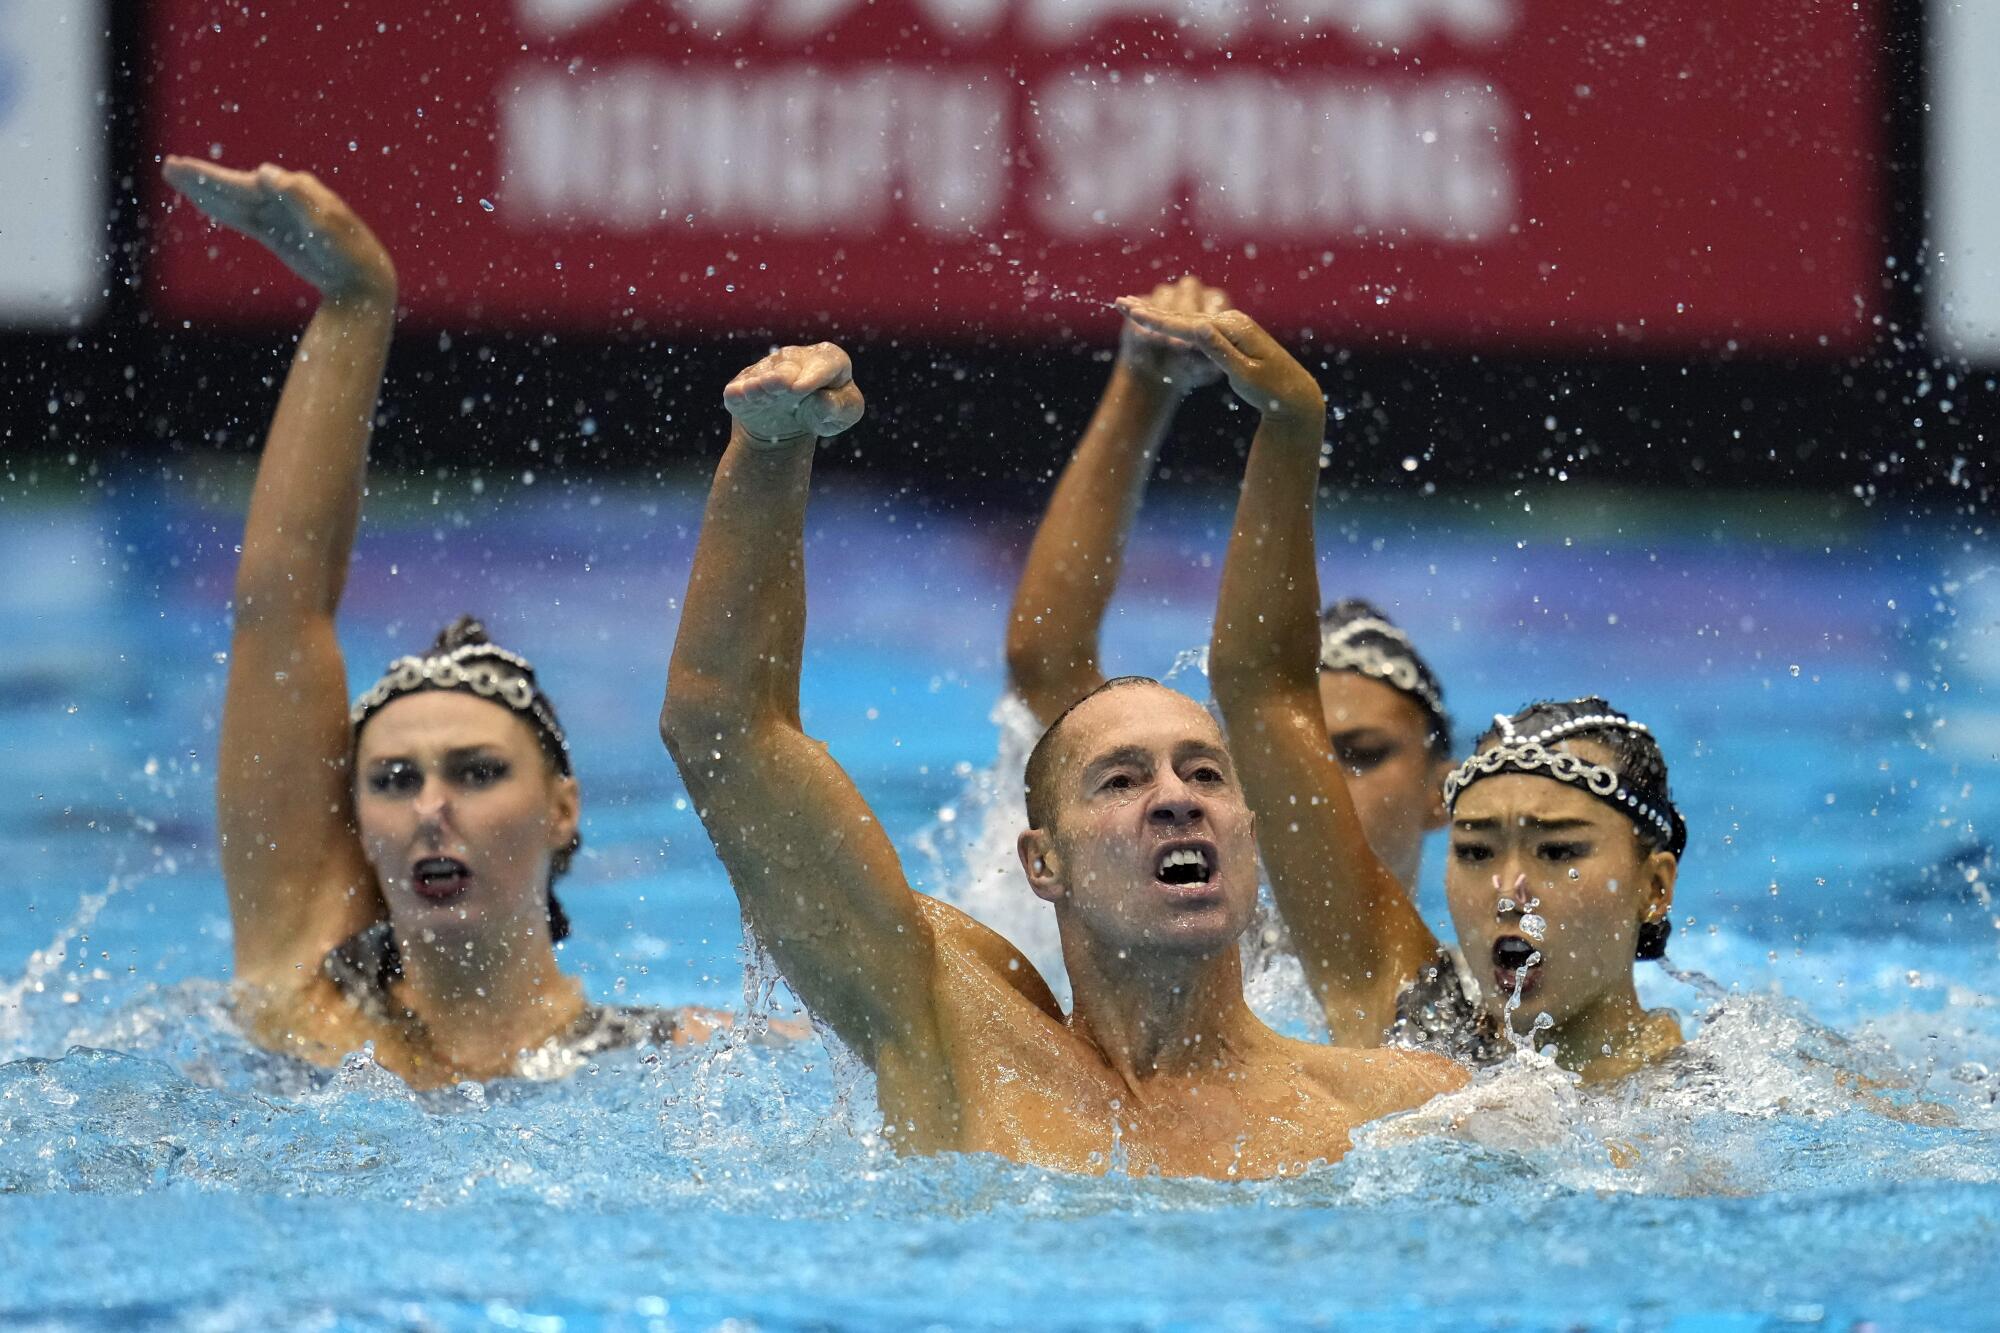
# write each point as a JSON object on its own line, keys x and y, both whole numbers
{"x": 1470, "y": 172}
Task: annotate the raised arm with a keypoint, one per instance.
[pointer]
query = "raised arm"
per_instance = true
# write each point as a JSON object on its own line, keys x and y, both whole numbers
{"x": 812, "y": 867}
{"x": 1074, "y": 562}
{"x": 1356, "y": 932}
{"x": 297, "y": 880}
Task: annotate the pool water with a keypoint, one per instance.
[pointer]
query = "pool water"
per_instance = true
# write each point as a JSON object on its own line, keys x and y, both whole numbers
{"x": 1825, "y": 678}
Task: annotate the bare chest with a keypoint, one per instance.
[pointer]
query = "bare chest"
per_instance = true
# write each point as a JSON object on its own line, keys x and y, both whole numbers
{"x": 319, "y": 1025}
{"x": 1026, "y": 1088}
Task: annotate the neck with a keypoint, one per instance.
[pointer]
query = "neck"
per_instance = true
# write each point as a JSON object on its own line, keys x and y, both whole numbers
{"x": 1158, "y": 1015}
{"x": 1611, "y": 1035}
{"x": 482, "y": 1005}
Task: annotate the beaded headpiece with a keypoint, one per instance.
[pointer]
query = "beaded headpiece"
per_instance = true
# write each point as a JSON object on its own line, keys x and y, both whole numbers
{"x": 1393, "y": 663}
{"x": 1367, "y": 644}
{"x": 484, "y": 669}
{"x": 1516, "y": 753}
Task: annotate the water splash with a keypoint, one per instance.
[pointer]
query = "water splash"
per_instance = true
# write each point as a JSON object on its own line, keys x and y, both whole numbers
{"x": 43, "y": 965}
{"x": 970, "y": 861}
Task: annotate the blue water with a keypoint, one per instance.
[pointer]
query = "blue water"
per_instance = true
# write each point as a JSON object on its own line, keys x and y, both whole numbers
{"x": 1825, "y": 677}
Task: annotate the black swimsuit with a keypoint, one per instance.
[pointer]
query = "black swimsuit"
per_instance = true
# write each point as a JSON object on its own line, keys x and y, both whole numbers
{"x": 367, "y": 963}
{"x": 1438, "y": 1012}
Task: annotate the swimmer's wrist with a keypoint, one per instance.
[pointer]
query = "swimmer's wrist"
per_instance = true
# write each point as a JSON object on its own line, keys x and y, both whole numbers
{"x": 1306, "y": 417}
{"x": 1152, "y": 379}
{"x": 776, "y": 444}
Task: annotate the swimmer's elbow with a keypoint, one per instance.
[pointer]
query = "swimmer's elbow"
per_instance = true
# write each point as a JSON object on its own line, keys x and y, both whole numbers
{"x": 707, "y": 717}
{"x": 693, "y": 711}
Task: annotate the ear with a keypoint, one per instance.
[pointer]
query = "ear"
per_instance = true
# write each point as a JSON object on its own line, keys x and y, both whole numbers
{"x": 1658, "y": 873}
{"x": 1435, "y": 815}
{"x": 1044, "y": 867}
{"x": 565, "y": 812}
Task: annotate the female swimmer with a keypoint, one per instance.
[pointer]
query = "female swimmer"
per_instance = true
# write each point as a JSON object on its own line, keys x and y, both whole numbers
{"x": 389, "y": 867}
{"x": 1565, "y": 842}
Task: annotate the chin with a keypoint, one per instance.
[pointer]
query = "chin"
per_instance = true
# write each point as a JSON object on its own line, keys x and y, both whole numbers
{"x": 416, "y": 916}
{"x": 1197, "y": 934}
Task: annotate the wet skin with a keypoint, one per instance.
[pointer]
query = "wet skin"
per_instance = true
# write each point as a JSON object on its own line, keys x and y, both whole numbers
{"x": 1198, "y": 1086}
{"x": 1524, "y": 845}
{"x": 447, "y": 776}
{"x": 446, "y": 781}
{"x": 453, "y": 779}
{"x": 1161, "y": 1062}
{"x": 1382, "y": 739}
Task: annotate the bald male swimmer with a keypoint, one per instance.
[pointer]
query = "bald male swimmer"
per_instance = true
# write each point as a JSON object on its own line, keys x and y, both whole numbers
{"x": 1141, "y": 842}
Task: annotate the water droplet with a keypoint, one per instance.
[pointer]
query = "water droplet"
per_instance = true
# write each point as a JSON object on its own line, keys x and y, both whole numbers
{"x": 486, "y": 204}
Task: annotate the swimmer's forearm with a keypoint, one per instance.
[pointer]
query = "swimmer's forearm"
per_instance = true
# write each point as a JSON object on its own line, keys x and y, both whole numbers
{"x": 1266, "y": 636}
{"x": 1074, "y": 563}
{"x": 736, "y": 657}
{"x": 1354, "y": 930}
{"x": 307, "y": 501}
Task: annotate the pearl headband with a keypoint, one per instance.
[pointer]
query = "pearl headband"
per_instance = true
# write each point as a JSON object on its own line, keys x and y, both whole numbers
{"x": 1339, "y": 652}
{"x": 484, "y": 669}
{"x": 1532, "y": 754}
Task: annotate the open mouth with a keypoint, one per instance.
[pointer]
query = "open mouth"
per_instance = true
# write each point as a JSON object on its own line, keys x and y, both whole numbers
{"x": 1516, "y": 963}
{"x": 1186, "y": 866}
{"x": 440, "y": 878}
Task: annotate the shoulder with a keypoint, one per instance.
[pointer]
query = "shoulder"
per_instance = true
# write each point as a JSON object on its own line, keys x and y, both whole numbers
{"x": 1381, "y": 1079}
{"x": 964, "y": 940}
{"x": 306, "y": 1015}
{"x": 1656, "y": 1042}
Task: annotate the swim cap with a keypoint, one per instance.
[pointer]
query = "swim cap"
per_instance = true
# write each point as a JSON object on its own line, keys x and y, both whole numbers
{"x": 1357, "y": 636}
{"x": 463, "y": 658}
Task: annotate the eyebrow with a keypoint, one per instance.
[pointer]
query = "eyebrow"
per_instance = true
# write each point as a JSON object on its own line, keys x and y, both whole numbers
{"x": 1124, "y": 754}
{"x": 1539, "y": 825}
{"x": 1141, "y": 757}
{"x": 455, "y": 753}
{"x": 1201, "y": 750}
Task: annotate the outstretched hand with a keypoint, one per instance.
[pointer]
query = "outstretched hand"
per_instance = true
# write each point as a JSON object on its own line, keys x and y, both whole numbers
{"x": 1262, "y": 373}
{"x": 1163, "y": 357}
{"x": 297, "y": 219}
{"x": 795, "y": 393}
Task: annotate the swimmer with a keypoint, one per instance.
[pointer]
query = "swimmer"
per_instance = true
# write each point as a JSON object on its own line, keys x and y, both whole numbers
{"x": 1140, "y": 840}
{"x": 389, "y": 868}
{"x": 1565, "y": 843}
{"x": 1383, "y": 703}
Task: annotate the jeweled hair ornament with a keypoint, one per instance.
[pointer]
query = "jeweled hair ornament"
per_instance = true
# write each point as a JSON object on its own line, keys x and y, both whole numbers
{"x": 1517, "y": 753}
{"x": 484, "y": 669}
{"x": 1395, "y": 666}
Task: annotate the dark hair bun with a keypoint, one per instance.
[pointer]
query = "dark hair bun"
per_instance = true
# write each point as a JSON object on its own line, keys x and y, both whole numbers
{"x": 463, "y": 632}
{"x": 1652, "y": 944}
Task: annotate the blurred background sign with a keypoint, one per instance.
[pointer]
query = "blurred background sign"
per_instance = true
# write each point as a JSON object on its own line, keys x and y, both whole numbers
{"x": 1464, "y": 172}
{"x": 54, "y": 229}
{"x": 1963, "y": 284}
